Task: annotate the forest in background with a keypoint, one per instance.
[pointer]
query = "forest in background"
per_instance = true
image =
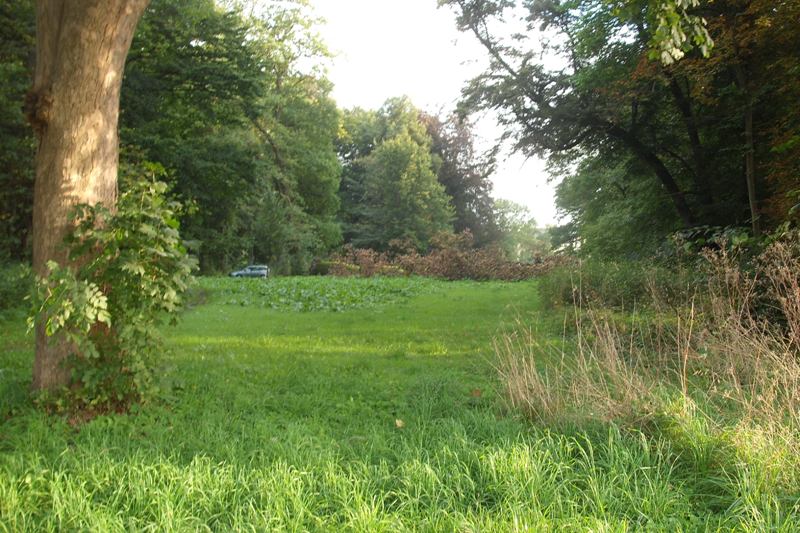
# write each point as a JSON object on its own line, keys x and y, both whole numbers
{"x": 646, "y": 148}
{"x": 234, "y": 111}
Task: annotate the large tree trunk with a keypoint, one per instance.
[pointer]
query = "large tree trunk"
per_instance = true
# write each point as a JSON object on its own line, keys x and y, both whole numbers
{"x": 74, "y": 108}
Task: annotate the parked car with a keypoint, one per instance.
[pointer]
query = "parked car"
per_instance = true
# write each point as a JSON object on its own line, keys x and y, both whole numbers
{"x": 252, "y": 271}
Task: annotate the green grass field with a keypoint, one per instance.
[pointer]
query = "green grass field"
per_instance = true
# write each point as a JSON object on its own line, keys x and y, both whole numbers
{"x": 334, "y": 411}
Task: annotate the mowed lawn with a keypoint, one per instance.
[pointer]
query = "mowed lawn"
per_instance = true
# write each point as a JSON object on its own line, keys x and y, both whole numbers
{"x": 364, "y": 416}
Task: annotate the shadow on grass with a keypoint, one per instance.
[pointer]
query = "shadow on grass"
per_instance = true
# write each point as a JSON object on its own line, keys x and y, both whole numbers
{"x": 364, "y": 421}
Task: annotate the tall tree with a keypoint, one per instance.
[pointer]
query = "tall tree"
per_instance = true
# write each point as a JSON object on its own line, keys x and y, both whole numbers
{"x": 73, "y": 107}
{"x": 360, "y": 134}
{"x": 404, "y": 200}
{"x": 466, "y": 176}
{"x": 237, "y": 111}
{"x": 677, "y": 144}
{"x": 389, "y": 188}
{"x": 522, "y": 239}
{"x": 555, "y": 111}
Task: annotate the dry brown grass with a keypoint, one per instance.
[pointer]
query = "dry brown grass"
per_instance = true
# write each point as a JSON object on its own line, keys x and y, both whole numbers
{"x": 732, "y": 352}
{"x": 451, "y": 257}
{"x": 600, "y": 376}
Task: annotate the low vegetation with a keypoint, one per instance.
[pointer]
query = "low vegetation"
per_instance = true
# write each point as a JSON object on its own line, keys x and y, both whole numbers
{"x": 424, "y": 379}
{"x": 717, "y": 377}
{"x": 620, "y": 285}
{"x": 132, "y": 272}
{"x": 391, "y": 417}
{"x": 451, "y": 257}
{"x": 313, "y": 294}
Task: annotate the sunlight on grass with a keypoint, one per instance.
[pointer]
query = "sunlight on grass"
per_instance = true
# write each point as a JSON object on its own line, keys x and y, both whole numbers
{"x": 284, "y": 420}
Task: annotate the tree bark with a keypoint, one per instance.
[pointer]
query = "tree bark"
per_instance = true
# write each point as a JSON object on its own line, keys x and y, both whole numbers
{"x": 743, "y": 82}
{"x": 750, "y": 169}
{"x": 74, "y": 108}
{"x": 701, "y": 178}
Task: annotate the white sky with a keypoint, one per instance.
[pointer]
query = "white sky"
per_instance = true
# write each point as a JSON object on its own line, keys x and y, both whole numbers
{"x": 387, "y": 48}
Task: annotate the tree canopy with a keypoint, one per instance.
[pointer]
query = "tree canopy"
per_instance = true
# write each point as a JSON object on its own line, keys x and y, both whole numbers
{"x": 228, "y": 104}
{"x": 231, "y": 99}
{"x": 645, "y": 148}
{"x": 17, "y": 144}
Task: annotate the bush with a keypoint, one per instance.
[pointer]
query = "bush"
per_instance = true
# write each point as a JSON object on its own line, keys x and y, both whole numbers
{"x": 452, "y": 257}
{"x": 617, "y": 284}
{"x": 132, "y": 270}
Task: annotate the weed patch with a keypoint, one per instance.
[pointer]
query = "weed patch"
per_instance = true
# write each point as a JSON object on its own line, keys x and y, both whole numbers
{"x": 315, "y": 293}
{"x": 712, "y": 378}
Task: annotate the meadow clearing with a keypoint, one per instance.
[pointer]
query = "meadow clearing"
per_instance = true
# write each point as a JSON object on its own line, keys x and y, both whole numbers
{"x": 325, "y": 404}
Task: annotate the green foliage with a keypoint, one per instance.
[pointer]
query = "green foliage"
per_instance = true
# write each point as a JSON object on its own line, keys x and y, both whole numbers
{"x": 465, "y": 175}
{"x": 522, "y": 239}
{"x": 644, "y": 149}
{"x": 130, "y": 270}
{"x": 389, "y": 188}
{"x": 17, "y": 144}
{"x": 315, "y": 293}
{"x": 634, "y": 229}
{"x": 402, "y": 196}
{"x": 677, "y": 28}
{"x": 619, "y": 285}
{"x": 16, "y": 282}
{"x": 690, "y": 244}
{"x": 282, "y": 420}
{"x": 678, "y": 31}
{"x": 236, "y": 108}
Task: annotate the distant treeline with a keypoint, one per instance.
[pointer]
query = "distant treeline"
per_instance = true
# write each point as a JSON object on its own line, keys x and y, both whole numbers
{"x": 234, "y": 112}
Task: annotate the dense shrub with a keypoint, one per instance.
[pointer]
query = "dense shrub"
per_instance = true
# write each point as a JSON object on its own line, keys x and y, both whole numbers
{"x": 451, "y": 257}
{"x": 132, "y": 270}
{"x": 617, "y": 284}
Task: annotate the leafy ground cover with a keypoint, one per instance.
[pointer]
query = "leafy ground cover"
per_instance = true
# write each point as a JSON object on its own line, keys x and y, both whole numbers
{"x": 314, "y": 294}
{"x": 379, "y": 418}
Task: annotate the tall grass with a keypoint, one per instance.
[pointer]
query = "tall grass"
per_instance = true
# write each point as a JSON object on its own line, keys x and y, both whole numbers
{"x": 286, "y": 420}
{"x": 717, "y": 377}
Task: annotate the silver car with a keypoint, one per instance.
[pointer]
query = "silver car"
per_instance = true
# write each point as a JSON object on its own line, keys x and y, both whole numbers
{"x": 252, "y": 271}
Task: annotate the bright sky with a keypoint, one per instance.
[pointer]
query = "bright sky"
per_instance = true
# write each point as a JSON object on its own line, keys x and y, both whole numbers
{"x": 389, "y": 48}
